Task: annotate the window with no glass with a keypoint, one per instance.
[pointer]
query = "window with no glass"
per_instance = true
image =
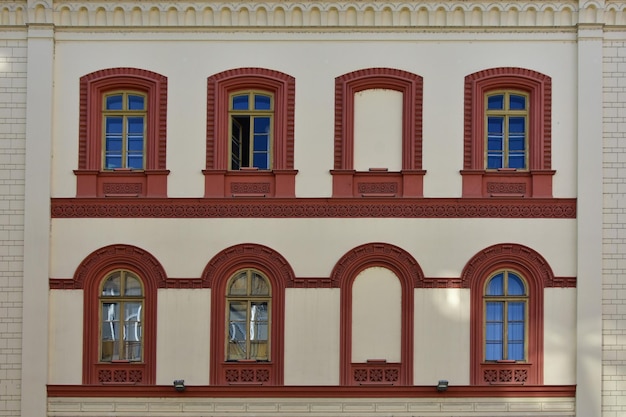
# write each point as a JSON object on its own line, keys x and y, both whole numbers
{"x": 248, "y": 303}
{"x": 124, "y": 125}
{"x": 251, "y": 114}
{"x": 507, "y": 126}
{"x": 121, "y": 305}
{"x": 506, "y": 317}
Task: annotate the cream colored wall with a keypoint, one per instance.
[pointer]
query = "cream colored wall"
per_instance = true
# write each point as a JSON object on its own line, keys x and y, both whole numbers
{"x": 183, "y": 342}
{"x": 442, "y": 247}
{"x": 441, "y": 347}
{"x": 65, "y": 338}
{"x": 378, "y": 125}
{"x": 559, "y": 339}
{"x": 376, "y": 316}
{"x": 311, "y": 336}
{"x": 315, "y": 59}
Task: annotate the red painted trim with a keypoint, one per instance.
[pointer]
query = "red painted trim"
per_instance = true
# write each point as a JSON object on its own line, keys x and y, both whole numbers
{"x": 216, "y": 275}
{"x": 381, "y": 207}
{"x": 306, "y": 282}
{"x": 167, "y": 391}
{"x": 538, "y": 274}
{"x": 152, "y": 181}
{"x": 410, "y": 181}
{"x": 408, "y": 271}
{"x": 537, "y": 181}
{"x": 89, "y": 275}
{"x": 219, "y": 86}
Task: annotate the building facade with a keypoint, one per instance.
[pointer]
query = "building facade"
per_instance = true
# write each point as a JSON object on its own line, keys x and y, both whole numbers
{"x": 318, "y": 208}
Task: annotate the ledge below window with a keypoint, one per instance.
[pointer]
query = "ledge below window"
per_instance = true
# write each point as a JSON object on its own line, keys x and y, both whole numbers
{"x": 481, "y": 183}
{"x": 378, "y": 183}
{"x": 148, "y": 183}
{"x": 250, "y": 183}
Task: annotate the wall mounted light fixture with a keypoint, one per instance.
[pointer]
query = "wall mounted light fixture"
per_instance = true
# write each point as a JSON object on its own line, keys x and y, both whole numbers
{"x": 442, "y": 385}
{"x": 179, "y": 385}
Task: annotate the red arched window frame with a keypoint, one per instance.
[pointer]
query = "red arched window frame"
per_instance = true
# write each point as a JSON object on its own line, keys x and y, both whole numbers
{"x": 408, "y": 271}
{"x": 280, "y": 180}
{"x": 378, "y": 182}
{"x": 216, "y": 276}
{"x": 89, "y": 276}
{"x": 537, "y": 180}
{"x": 91, "y": 179}
{"x": 538, "y": 275}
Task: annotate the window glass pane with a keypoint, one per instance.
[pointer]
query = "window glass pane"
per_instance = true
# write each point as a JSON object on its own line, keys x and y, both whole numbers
{"x": 517, "y": 161}
{"x": 135, "y": 126}
{"x": 515, "y": 285}
{"x": 135, "y": 102}
{"x": 495, "y": 126}
{"x": 239, "y": 285}
{"x": 262, "y": 102}
{"x": 132, "y": 286}
{"x": 113, "y": 125}
{"x": 237, "y": 337}
{"x": 493, "y": 351}
{"x": 494, "y": 161}
{"x": 516, "y": 311}
{"x": 240, "y": 102}
{"x": 110, "y": 332}
{"x": 112, "y": 285}
{"x": 132, "y": 321}
{"x": 495, "y": 102}
{"x": 261, "y": 125}
{"x": 517, "y": 126}
{"x": 517, "y": 102}
{"x": 516, "y": 351}
{"x": 259, "y": 285}
{"x": 495, "y": 311}
{"x": 258, "y": 321}
{"x": 496, "y": 285}
{"x": 114, "y": 102}
{"x": 261, "y": 160}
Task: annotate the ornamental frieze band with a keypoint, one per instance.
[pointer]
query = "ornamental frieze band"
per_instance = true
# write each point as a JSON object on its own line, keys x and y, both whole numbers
{"x": 376, "y": 207}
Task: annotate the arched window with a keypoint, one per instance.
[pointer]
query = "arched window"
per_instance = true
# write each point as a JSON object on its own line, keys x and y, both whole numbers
{"x": 506, "y": 317}
{"x": 249, "y": 303}
{"x": 121, "y": 317}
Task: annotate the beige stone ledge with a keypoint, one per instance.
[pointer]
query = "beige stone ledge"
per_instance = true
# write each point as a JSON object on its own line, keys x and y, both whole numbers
{"x": 313, "y": 14}
{"x": 320, "y": 407}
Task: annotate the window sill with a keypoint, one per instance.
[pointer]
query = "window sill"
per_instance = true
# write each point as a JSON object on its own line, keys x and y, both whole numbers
{"x": 121, "y": 183}
{"x": 250, "y": 183}
{"x": 507, "y": 183}
{"x": 378, "y": 182}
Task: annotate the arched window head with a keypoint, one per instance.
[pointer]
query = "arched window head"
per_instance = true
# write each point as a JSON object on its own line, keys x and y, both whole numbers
{"x": 248, "y": 302}
{"x": 506, "y": 317}
{"x": 121, "y": 317}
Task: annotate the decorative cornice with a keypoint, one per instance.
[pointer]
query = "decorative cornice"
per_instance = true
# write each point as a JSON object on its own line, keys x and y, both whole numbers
{"x": 324, "y": 15}
{"x": 379, "y": 207}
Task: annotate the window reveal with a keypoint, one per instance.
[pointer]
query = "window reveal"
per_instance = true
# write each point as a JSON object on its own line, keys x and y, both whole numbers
{"x": 251, "y": 116}
{"x": 121, "y": 302}
{"x": 248, "y": 319}
{"x": 124, "y": 124}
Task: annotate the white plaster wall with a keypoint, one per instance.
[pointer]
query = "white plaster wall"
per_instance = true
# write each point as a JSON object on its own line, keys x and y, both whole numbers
{"x": 65, "y": 338}
{"x": 442, "y": 337}
{"x": 314, "y": 60}
{"x": 183, "y": 342}
{"x": 378, "y": 125}
{"x": 311, "y": 336}
{"x": 442, "y": 247}
{"x": 376, "y": 316}
{"x": 559, "y": 339}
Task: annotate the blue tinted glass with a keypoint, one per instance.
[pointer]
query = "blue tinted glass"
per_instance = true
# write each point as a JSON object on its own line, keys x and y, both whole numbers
{"x": 113, "y": 161}
{"x": 495, "y": 311}
{"x": 135, "y": 102}
{"x": 113, "y": 126}
{"x": 135, "y": 125}
{"x": 135, "y": 161}
{"x": 495, "y": 102}
{"x": 113, "y": 144}
{"x": 240, "y": 102}
{"x": 261, "y": 143}
{"x": 516, "y": 351}
{"x": 517, "y": 161}
{"x": 494, "y": 161}
{"x": 135, "y": 144}
{"x": 516, "y": 311}
{"x": 261, "y": 125}
{"x": 494, "y": 143}
{"x": 516, "y": 285}
{"x": 517, "y": 102}
{"x": 496, "y": 285}
{"x": 114, "y": 102}
{"x": 262, "y": 102}
{"x": 517, "y": 143}
{"x": 517, "y": 125}
{"x": 261, "y": 160}
{"x": 493, "y": 351}
{"x": 495, "y": 125}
